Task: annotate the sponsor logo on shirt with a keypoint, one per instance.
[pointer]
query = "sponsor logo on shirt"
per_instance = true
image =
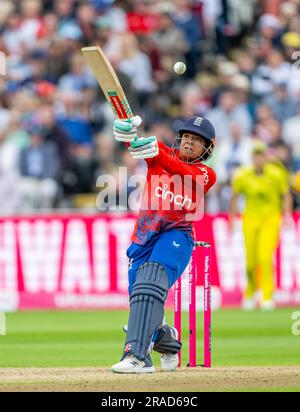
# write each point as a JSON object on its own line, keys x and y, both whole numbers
{"x": 177, "y": 245}
{"x": 205, "y": 175}
{"x": 179, "y": 200}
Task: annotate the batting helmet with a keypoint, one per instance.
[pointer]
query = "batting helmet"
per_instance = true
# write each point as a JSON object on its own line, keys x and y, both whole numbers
{"x": 199, "y": 126}
{"x": 203, "y": 128}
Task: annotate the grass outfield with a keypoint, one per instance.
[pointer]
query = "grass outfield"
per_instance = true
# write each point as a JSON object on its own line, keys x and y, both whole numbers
{"x": 85, "y": 339}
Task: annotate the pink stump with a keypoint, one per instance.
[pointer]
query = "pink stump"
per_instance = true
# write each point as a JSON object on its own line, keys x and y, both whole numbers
{"x": 177, "y": 311}
{"x": 207, "y": 308}
{"x": 192, "y": 311}
{"x": 194, "y": 270}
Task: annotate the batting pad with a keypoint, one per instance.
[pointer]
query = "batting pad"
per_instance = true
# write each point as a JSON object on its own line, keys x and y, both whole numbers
{"x": 166, "y": 341}
{"x": 147, "y": 301}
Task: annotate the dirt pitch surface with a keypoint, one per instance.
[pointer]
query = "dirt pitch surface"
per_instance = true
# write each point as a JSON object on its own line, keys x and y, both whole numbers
{"x": 198, "y": 380}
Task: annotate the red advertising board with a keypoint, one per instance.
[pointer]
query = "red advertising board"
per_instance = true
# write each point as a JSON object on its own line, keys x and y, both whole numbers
{"x": 74, "y": 262}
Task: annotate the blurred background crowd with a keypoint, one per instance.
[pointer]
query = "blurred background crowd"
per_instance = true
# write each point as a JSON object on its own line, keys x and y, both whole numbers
{"x": 243, "y": 73}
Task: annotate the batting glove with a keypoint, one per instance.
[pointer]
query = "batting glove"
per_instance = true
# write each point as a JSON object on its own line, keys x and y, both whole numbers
{"x": 144, "y": 148}
{"x": 126, "y": 130}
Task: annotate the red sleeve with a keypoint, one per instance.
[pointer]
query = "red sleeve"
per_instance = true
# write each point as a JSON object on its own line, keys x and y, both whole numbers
{"x": 175, "y": 166}
{"x": 165, "y": 148}
{"x": 212, "y": 178}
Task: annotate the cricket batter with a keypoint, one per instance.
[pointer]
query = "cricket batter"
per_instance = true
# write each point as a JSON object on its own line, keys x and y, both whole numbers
{"x": 265, "y": 188}
{"x": 162, "y": 241}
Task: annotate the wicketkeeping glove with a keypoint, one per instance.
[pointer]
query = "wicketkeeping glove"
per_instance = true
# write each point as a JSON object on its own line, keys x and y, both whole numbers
{"x": 126, "y": 130}
{"x": 144, "y": 148}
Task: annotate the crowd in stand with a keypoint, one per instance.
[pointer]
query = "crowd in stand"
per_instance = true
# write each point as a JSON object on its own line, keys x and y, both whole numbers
{"x": 243, "y": 73}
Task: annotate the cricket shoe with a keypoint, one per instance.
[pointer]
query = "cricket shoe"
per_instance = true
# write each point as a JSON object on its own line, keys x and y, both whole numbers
{"x": 267, "y": 305}
{"x": 170, "y": 361}
{"x": 131, "y": 364}
{"x": 249, "y": 304}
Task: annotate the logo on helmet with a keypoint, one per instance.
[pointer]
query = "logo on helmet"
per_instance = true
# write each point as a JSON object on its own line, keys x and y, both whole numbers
{"x": 198, "y": 121}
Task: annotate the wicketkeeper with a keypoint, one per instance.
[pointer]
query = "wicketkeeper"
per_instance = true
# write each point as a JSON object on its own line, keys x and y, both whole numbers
{"x": 163, "y": 240}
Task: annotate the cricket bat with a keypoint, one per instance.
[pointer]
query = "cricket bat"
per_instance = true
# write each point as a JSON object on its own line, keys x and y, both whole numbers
{"x": 108, "y": 81}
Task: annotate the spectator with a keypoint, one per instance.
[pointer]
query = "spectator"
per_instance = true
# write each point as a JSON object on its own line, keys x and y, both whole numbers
{"x": 163, "y": 132}
{"x": 246, "y": 64}
{"x": 270, "y": 132}
{"x": 80, "y": 175}
{"x": 191, "y": 101}
{"x": 48, "y": 30}
{"x": 281, "y": 104}
{"x": 38, "y": 73}
{"x": 188, "y": 23}
{"x": 251, "y": 86}
{"x": 117, "y": 15}
{"x": 57, "y": 62}
{"x": 242, "y": 87}
{"x": 109, "y": 40}
{"x": 263, "y": 114}
{"x": 276, "y": 70}
{"x": 77, "y": 78}
{"x": 227, "y": 71}
{"x": 228, "y": 111}
{"x": 288, "y": 11}
{"x": 12, "y": 37}
{"x": 9, "y": 177}
{"x": 72, "y": 35}
{"x": 54, "y": 133}
{"x": 71, "y": 119}
{"x": 270, "y": 28}
{"x": 142, "y": 19}
{"x": 15, "y": 133}
{"x": 39, "y": 168}
{"x": 280, "y": 153}
{"x": 30, "y": 22}
{"x": 4, "y": 116}
{"x": 86, "y": 15}
{"x": 105, "y": 152}
{"x": 65, "y": 11}
{"x": 136, "y": 66}
{"x": 6, "y": 8}
{"x": 169, "y": 38}
{"x": 232, "y": 153}
{"x": 296, "y": 190}
{"x": 231, "y": 20}
{"x": 290, "y": 136}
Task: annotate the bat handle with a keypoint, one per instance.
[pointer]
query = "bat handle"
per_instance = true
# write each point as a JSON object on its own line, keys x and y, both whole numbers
{"x": 137, "y": 121}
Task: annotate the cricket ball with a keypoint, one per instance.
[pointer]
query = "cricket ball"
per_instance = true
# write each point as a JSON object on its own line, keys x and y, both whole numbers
{"x": 179, "y": 67}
